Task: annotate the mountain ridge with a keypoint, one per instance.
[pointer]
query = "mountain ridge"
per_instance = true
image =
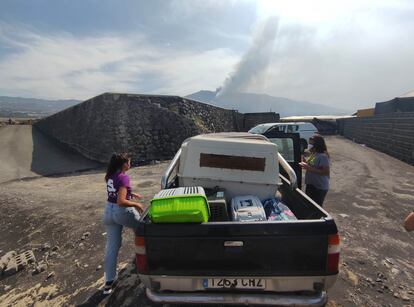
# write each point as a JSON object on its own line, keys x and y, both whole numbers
{"x": 32, "y": 107}
{"x": 243, "y": 102}
{"x": 251, "y": 102}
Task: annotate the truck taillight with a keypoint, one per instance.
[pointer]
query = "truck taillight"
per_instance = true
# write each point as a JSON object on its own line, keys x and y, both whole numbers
{"x": 334, "y": 249}
{"x": 141, "y": 255}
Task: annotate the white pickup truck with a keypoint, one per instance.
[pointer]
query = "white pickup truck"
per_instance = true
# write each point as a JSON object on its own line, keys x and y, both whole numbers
{"x": 284, "y": 263}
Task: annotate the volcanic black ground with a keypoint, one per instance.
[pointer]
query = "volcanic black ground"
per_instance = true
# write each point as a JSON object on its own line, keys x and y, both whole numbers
{"x": 60, "y": 218}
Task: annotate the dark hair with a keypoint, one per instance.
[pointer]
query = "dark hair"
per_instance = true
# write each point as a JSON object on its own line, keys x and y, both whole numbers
{"x": 319, "y": 144}
{"x": 115, "y": 164}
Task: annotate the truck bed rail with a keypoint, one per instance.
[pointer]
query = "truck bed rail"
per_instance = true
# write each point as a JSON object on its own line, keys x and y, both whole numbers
{"x": 289, "y": 170}
{"x": 170, "y": 169}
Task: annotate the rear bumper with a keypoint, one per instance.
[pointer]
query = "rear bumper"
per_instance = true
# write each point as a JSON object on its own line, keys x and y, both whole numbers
{"x": 317, "y": 299}
{"x": 168, "y": 283}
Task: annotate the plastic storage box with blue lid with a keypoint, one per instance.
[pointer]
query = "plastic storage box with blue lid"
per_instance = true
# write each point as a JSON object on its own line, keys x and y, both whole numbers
{"x": 180, "y": 205}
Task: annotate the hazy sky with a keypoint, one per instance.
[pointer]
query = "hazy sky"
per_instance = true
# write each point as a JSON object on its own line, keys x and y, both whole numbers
{"x": 348, "y": 54}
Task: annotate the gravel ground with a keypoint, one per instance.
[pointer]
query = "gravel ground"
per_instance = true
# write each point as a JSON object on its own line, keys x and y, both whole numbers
{"x": 59, "y": 218}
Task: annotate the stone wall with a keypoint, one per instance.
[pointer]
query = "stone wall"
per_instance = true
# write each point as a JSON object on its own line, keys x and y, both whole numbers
{"x": 149, "y": 127}
{"x": 391, "y": 133}
{"x": 207, "y": 118}
{"x": 252, "y": 119}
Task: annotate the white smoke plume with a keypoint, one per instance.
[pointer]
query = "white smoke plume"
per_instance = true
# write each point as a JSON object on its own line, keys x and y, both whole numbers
{"x": 255, "y": 61}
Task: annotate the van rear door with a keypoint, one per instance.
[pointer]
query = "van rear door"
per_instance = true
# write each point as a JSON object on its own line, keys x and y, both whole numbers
{"x": 289, "y": 147}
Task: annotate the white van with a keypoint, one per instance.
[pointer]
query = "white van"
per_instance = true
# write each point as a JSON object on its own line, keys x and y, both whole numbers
{"x": 305, "y": 130}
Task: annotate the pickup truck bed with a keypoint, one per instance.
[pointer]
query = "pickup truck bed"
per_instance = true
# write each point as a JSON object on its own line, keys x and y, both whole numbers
{"x": 292, "y": 248}
{"x": 290, "y": 255}
{"x": 297, "y": 260}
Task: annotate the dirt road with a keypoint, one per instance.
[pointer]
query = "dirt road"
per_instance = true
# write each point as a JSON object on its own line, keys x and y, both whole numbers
{"x": 370, "y": 195}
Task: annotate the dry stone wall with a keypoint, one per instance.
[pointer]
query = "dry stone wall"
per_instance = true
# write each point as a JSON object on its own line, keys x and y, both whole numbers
{"x": 252, "y": 119}
{"x": 149, "y": 127}
{"x": 391, "y": 133}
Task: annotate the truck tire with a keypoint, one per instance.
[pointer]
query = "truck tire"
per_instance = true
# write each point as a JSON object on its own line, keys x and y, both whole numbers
{"x": 303, "y": 145}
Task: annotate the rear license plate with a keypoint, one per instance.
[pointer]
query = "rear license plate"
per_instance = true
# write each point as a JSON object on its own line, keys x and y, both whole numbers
{"x": 234, "y": 283}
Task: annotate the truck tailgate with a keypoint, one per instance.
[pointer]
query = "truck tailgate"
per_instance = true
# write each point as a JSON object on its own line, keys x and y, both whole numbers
{"x": 232, "y": 249}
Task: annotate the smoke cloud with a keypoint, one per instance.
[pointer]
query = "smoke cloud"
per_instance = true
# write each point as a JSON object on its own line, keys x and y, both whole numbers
{"x": 255, "y": 61}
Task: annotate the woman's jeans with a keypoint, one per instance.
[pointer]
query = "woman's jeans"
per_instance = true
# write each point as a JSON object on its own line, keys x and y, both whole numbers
{"x": 115, "y": 218}
{"x": 316, "y": 194}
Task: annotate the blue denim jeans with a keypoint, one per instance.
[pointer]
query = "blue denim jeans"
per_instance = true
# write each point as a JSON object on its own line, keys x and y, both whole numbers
{"x": 115, "y": 218}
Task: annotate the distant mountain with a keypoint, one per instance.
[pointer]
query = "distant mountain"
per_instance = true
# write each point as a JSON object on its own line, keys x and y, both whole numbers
{"x": 32, "y": 107}
{"x": 248, "y": 102}
{"x": 243, "y": 102}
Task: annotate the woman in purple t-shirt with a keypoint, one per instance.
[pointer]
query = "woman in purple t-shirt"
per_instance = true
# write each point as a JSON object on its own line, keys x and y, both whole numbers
{"x": 120, "y": 211}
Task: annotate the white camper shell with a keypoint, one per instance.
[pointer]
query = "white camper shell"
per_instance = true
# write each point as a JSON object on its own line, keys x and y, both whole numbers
{"x": 241, "y": 163}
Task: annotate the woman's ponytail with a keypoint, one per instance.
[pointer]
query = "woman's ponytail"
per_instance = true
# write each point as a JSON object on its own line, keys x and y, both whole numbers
{"x": 115, "y": 164}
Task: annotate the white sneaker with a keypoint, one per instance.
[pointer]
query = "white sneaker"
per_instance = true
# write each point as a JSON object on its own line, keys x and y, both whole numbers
{"x": 108, "y": 287}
